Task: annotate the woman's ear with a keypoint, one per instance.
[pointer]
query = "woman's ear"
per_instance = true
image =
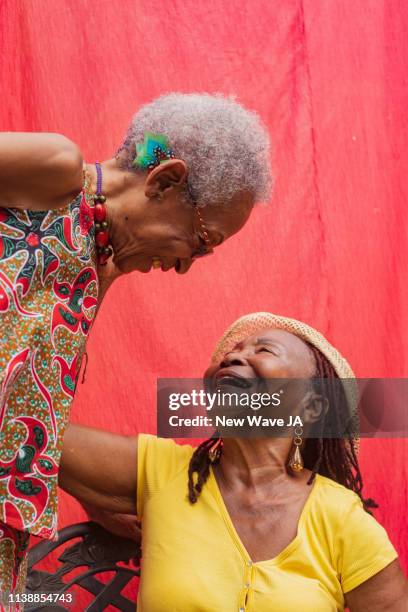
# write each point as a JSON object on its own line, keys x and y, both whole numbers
{"x": 166, "y": 176}
{"x": 315, "y": 407}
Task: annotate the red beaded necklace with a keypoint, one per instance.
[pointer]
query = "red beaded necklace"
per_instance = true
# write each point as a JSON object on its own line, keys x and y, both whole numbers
{"x": 103, "y": 247}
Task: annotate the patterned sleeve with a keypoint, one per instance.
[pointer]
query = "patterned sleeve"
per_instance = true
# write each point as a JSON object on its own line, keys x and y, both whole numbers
{"x": 159, "y": 460}
{"x": 363, "y": 545}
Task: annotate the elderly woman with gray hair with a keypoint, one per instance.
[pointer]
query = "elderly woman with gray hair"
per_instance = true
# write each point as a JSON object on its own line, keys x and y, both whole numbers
{"x": 184, "y": 180}
{"x": 216, "y": 167}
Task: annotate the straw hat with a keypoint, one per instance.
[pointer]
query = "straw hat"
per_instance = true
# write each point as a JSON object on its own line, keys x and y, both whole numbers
{"x": 252, "y": 323}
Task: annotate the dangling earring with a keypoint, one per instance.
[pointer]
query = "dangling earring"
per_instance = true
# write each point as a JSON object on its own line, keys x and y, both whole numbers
{"x": 215, "y": 450}
{"x": 296, "y": 461}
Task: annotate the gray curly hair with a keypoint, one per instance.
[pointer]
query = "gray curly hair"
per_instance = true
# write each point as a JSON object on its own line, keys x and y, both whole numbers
{"x": 225, "y": 146}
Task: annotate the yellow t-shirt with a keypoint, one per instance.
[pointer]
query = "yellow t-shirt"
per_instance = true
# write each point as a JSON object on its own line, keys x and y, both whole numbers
{"x": 194, "y": 561}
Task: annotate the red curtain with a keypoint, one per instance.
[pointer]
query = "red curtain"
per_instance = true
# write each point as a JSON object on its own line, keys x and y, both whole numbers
{"x": 329, "y": 79}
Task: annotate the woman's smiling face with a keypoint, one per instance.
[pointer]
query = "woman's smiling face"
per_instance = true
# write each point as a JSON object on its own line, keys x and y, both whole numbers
{"x": 166, "y": 231}
{"x": 268, "y": 354}
{"x": 270, "y": 361}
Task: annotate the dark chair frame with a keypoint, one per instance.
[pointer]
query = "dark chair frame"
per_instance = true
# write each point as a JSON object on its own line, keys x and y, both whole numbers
{"x": 97, "y": 551}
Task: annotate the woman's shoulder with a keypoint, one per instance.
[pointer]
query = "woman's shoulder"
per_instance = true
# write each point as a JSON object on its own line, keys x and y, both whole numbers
{"x": 329, "y": 486}
{"x": 358, "y": 543}
{"x": 335, "y": 500}
{"x": 159, "y": 462}
{"x": 163, "y": 451}
{"x": 342, "y": 513}
{"x": 159, "y": 442}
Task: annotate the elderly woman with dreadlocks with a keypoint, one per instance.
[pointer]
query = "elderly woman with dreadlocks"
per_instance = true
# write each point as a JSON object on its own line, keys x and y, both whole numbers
{"x": 184, "y": 180}
{"x": 254, "y": 524}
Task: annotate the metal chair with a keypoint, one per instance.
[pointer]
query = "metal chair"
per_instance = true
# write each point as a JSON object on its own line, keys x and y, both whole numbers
{"x": 97, "y": 552}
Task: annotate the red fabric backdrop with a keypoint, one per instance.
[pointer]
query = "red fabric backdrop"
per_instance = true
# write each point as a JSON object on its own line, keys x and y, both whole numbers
{"x": 329, "y": 78}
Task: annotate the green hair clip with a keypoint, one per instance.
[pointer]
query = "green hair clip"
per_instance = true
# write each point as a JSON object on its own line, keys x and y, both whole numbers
{"x": 154, "y": 151}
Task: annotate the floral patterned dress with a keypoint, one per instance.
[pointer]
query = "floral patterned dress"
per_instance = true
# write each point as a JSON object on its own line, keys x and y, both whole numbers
{"x": 48, "y": 299}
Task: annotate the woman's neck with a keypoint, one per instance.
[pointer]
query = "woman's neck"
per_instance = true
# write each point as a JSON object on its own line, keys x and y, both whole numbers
{"x": 114, "y": 180}
{"x": 254, "y": 461}
{"x": 122, "y": 190}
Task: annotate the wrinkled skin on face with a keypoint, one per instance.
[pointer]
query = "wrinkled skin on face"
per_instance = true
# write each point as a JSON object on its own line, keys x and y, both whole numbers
{"x": 167, "y": 233}
{"x": 270, "y": 361}
{"x": 148, "y": 219}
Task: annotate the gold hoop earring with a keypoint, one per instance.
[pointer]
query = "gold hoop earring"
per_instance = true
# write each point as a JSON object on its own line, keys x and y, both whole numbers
{"x": 296, "y": 461}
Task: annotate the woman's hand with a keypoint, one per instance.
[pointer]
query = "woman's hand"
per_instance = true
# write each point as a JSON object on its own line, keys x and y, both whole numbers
{"x": 122, "y": 525}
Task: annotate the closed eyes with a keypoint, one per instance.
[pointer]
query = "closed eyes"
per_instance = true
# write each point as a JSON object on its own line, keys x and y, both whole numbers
{"x": 272, "y": 350}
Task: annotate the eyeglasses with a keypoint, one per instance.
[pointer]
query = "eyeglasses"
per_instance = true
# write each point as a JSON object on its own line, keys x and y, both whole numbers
{"x": 200, "y": 230}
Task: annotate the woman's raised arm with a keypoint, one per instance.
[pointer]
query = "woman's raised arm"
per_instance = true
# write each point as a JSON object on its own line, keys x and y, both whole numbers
{"x": 38, "y": 171}
{"x": 99, "y": 468}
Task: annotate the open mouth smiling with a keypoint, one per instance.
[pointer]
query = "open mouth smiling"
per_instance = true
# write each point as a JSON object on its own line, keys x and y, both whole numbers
{"x": 231, "y": 379}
